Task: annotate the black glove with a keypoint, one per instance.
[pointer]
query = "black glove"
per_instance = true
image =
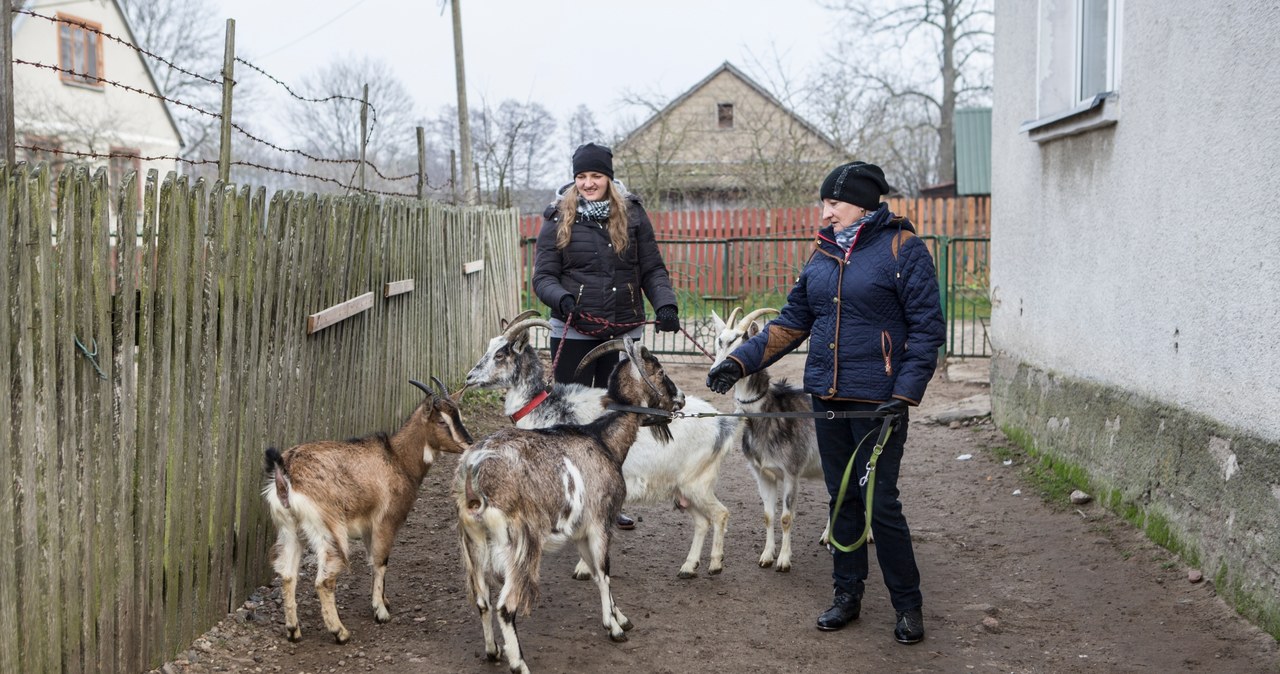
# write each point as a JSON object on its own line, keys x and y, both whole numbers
{"x": 668, "y": 319}
{"x": 724, "y": 375}
{"x": 895, "y": 406}
{"x": 567, "y": 305}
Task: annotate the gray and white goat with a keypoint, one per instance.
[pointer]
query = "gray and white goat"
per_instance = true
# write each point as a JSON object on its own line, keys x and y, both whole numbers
{"x": 684, "y": 471}
{"x": 329, "y": 492}
{"x": 522, "y": 491}
{"x": 779, "y": 451}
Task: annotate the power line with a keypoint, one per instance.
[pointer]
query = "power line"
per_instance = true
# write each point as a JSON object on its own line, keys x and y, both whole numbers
{"x": 312, "y": 31}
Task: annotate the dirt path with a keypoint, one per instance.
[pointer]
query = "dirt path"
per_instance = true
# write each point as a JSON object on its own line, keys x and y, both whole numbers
{"x": 1011, "y": 584}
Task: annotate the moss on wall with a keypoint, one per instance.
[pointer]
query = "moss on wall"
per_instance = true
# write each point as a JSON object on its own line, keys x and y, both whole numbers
{"x": 1207, "y": 492}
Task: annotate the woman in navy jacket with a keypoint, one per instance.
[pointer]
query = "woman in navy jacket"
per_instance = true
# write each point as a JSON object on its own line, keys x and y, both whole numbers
{"x": 867, "y": 300}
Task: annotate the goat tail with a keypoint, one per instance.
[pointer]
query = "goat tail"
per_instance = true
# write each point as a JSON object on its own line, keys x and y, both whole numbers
{"x": 275, "y": 466}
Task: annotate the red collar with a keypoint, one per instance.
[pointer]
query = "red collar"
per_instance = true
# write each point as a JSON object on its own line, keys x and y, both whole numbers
{"x": 529, "y": 407}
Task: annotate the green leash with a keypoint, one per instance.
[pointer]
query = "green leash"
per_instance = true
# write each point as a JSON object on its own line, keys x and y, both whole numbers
{"x": 868, "y": 480}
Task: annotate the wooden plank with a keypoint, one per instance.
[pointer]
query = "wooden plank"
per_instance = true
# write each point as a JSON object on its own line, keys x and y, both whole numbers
{"x": 206, "y": 436}
{"x": 78, "y": 535}
{"x": 472, "y": 266}
{"x": 339, "y": 312}
{"x": 393, "y": 288}
{"x": 101, "y": 411}
{"x": 41, "y": 525}
{"x": 148, "y": 493}
{"x": 124, "y": 445}
{"x": 10, "y": 628}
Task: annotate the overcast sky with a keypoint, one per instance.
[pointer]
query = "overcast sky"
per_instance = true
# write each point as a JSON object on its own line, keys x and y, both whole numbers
{"x": 561, "y": 54}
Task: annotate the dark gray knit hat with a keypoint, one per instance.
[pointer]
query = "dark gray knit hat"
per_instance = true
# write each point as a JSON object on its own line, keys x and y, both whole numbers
{"x": 857, "y": 183}
{"x": 592, "y": 157}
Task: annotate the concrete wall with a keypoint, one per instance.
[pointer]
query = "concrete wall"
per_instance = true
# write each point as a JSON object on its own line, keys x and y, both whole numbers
{"x": 1135, "y": 279}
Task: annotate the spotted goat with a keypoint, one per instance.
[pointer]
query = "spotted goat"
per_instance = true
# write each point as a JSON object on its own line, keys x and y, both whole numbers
{"x": 683, "y": 472}
{"x": 521, "y": 492}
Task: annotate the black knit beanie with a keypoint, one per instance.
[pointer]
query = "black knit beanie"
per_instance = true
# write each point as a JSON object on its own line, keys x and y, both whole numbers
{"x": 592, "y": 157}
{"x": 857, "y": 183}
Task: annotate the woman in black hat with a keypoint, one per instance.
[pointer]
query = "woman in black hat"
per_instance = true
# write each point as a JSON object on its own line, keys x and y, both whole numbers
{"x": 867, "y": 301}
{"x": 596, "y": 261}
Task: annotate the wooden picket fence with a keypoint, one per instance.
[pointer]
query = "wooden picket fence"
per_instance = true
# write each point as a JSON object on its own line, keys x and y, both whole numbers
{"x": 937, "y": 216}
{"x": 147, "y": 374}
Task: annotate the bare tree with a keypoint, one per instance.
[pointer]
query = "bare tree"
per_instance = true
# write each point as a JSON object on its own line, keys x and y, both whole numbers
{"x": 189, "y": 35}
{"x": 331, "y": 129}
{"x": 581, "y": 127}
{"x": 649, "y": 156}
{"x": 956, "y": 38}
{"x": 512, "y": 147}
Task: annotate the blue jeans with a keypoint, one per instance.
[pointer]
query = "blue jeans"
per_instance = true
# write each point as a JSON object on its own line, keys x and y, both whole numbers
{"x": 837, "y": 440}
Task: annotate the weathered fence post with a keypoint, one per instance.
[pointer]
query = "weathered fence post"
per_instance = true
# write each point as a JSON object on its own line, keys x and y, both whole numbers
{"x": 7, "y": 138}
{"x": 228, "y": 81}
{"x": 364, "y": 132}
{"x": 422, "y": 164}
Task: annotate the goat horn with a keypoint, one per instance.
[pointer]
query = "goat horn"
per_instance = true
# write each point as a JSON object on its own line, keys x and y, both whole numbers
{"x": 746, "y": 320}
{"x": 516, "y": 328}
{"x": 732, "y": 314}
{"x": 530, "y": 313}
{"x": 611, "y": 346}
{"x": 444, "y": 393}
{"x": 422, "y": 386}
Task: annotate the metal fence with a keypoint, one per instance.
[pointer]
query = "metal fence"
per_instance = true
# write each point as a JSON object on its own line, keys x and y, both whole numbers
{"x": 718, "y": 274}
{"x": 147, "y": 372}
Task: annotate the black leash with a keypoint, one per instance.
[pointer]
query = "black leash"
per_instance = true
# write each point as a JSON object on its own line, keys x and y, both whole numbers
{"x": 830, "y": 414}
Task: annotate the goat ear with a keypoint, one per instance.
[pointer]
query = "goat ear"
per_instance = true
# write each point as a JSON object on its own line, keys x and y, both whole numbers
{"x": 717, "y": 323}
{"x": 753, "y": 329}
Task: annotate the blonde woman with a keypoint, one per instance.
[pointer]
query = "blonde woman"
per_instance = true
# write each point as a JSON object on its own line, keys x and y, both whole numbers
{"x": 596, "y": 262}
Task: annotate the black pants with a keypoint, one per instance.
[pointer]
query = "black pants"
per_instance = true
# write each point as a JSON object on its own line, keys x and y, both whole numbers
{"x": 596, "y": 374}
{"x": 837, "y": 439}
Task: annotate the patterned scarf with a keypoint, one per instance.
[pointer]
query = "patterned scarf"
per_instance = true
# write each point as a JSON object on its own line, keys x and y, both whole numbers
{"x": 596, "y": 211}
{"x": 848, "y": 235}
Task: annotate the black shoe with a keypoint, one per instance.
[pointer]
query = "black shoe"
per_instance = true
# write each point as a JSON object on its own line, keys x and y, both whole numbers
{"x": 844, "y": 609}
{"x": 625, "y": 522}
{"x": 910, "y": 627}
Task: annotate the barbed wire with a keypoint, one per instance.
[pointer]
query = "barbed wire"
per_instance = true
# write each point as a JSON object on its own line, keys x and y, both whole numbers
{"x": 126, "y": 87}
{"x": 80, "y": 24}
{"x": 334, "y": 97}
{"x": 93, "y": 79}
{"x": 200, "y": 162}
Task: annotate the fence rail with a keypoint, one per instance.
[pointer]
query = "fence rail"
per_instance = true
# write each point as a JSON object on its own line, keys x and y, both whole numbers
{"x": 147, "y": 375}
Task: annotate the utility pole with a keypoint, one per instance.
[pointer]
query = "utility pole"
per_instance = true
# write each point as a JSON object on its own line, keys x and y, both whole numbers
{"x": 7, "y": 137}
{"x": 464, "y": 123}
{"x": 422, "y": 163}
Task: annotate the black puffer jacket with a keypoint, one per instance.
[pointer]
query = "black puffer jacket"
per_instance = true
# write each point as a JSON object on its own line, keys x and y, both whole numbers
{"x": 604, "y": 284}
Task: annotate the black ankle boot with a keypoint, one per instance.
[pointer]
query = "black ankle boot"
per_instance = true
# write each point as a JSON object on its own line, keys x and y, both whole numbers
{"x": 844, "y": 609}
{"x": 910, "y": 627}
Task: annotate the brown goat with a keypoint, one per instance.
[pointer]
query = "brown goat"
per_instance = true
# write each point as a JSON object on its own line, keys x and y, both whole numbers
{"x": 331, "y": 492}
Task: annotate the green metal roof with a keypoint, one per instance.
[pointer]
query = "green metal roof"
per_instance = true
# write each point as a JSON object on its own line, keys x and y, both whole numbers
{"x": 973, "y": 151}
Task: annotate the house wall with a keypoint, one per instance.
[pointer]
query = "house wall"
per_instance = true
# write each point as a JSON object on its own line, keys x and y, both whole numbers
{"x": 766, "y": 150}
{"x": 88, "y": 118}
{"x": 1135, "y": 283}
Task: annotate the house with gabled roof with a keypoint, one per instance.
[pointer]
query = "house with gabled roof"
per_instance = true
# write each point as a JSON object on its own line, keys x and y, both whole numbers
{"x": 726, "y": 142}
{"x": 66, "y": 107}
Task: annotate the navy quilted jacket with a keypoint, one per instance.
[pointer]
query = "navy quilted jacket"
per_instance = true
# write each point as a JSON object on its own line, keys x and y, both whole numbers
{"x": 872, "y": 316}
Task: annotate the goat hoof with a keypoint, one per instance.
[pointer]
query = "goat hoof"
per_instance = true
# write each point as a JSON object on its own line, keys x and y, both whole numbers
{"x": 620, "y": 637}
{"x": 582, "y": 576}
{"x": 686, "y": 575}
{"x": 715, "y": 570}
{"x": 491, "y": 657}
{"x": 342, "y": 636}
{"x": 783, "y": 568}
{"x": 382, "y": 615}
{"x": 626, "y": 625}
{"x": 294, "y": 634}
{"x": 766, "y": 563}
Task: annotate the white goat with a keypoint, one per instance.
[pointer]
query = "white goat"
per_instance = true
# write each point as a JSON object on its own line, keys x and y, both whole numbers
{"x": 520, "y": 492}
{"x": 779, "y": 451}
{"x": 329, "y": 492}
{"x": 683, "y": 472}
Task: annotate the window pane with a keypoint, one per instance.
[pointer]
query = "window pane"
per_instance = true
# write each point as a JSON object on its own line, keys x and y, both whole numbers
{"x": 1093, "y": 48}
{"x": 724, "y": 114}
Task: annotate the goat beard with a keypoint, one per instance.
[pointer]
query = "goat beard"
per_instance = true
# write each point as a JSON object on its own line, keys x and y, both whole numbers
{"x": 661, "y": 432}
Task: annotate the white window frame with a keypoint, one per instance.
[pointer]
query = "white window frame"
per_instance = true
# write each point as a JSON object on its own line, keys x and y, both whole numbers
{"x": 1074, "y": 112}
